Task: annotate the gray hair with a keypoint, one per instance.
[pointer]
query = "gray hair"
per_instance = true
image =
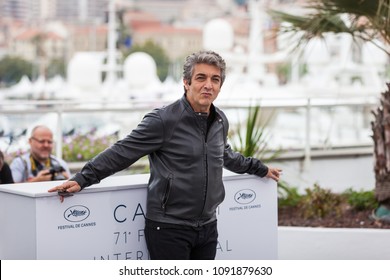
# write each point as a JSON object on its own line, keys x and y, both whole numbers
{"x": 207, "y": 57}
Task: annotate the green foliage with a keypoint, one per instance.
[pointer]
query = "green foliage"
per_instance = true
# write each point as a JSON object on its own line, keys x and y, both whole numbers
{"x": 252, "y": 140}
{"x": 12, "y": 69}
{"x": 288, "y": 196}
{"x": 158, "y": 54}
{"x": 85, "y": 147}
{"x": 361, "y": 200}
{"x": 56, "y": 67}
{"x": 319, "y": 202}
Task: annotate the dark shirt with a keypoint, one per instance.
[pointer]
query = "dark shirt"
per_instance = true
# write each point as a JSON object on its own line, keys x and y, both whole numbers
{"x": 6, "y": 175}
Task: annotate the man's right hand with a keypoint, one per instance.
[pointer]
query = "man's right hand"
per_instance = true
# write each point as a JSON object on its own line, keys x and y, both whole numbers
{"x": 42, "y": 176}
{"x": 67, "y": 187}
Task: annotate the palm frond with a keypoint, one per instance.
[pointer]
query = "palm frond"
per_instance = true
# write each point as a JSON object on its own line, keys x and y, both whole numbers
{"x": 362, "y": 19}
{"x": 252, "y": 139}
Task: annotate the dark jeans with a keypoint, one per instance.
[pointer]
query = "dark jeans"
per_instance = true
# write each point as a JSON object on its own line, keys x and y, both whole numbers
{"x": 177, "y": 242}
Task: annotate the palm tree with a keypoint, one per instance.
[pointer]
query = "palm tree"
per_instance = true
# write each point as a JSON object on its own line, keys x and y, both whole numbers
{"x": 381, "y": 136}
{"x": 364, "y": 20}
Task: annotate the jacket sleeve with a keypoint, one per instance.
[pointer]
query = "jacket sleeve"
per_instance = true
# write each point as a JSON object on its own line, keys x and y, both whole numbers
{"x": 143, "y": 140}
{"x": 237, "y": 163}
{"x": 19, "y": 170}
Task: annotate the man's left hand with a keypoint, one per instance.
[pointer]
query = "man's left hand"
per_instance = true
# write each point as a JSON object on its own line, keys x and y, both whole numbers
{"x": 274, "y": 173}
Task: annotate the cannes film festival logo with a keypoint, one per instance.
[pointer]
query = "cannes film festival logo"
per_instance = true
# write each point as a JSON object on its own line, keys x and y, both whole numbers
{"x": 245, "y": 196}
{"x": 76, "y": 213}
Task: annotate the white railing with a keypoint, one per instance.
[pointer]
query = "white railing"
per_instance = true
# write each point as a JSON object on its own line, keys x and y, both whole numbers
{"x": 308, "y": 110}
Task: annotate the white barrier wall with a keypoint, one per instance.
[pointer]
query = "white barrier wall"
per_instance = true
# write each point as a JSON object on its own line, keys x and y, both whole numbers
{"x": 306, "y": 243}
{"x": 106, "y": 221}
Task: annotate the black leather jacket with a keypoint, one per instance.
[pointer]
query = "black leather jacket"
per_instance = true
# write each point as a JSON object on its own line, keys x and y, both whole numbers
{"x": 186, "y": 162}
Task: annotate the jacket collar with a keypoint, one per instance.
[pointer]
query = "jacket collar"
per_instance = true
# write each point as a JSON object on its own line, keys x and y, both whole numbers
{"x": 188, "y": 105}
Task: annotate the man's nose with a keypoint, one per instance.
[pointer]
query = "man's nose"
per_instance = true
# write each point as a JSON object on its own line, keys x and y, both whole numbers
{"x": 208, "y": 84}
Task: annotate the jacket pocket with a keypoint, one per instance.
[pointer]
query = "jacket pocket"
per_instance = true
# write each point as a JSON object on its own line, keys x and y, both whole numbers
{"x": 166, "y": 193}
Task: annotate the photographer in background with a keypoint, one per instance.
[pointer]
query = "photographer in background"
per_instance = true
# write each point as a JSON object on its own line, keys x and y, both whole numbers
{"x": 39, "y": 164}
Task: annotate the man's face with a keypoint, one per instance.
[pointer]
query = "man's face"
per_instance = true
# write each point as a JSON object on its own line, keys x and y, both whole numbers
{"x": 204, "y": 87}
{"x": 41, "y": 144}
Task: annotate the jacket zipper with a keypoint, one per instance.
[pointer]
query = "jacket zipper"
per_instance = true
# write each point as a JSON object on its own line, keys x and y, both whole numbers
{"x": 219, "y": 120}
{"x": 205, "y": 186}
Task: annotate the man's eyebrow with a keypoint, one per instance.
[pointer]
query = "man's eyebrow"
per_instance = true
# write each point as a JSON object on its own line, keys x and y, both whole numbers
{"x": 203, "y": 74}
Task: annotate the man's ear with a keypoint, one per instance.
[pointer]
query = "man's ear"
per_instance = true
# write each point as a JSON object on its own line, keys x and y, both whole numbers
{"x": 186, "y": 84}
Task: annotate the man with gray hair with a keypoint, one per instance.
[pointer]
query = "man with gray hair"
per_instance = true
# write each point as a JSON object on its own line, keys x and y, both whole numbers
{"x": 39, "y": 164}
{"x": 186, "y": 142}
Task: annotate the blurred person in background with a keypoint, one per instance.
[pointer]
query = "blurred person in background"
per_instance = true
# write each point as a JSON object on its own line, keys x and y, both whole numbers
{"x": 39, "y": 164}
{"x": 5, "y": 171}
